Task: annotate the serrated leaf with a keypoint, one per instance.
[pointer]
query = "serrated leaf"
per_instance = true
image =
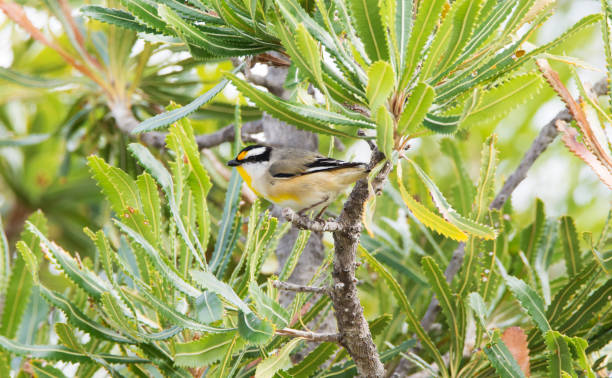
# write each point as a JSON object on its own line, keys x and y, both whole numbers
{"x": 348, "y": 369}
{"x": 465, "y": 187}
{"x": 486, "y": 180}
{"x": 416, "y": 108}
{"x": 164, "y": 179}
{"x": 206, "y": 350}
{"x": 278, "y": 361}
{"x": 30, "y": 259}
{"x": 46, "y": 371}
{"x": 544, "y": 252}
{"x": 466, "y": 225}
{"x": 381, "y": 82}
{"x": 33, "y": 327}
{"x": 502, "y": 360}
{"x": 115, "y": 17}
{"x": 562, "y": 297}
{"x": 402, "y": 300}
{"x": 162, "y": 266}
{"x": 309, "y": 49}
{"x": 427, "y": 17}
{"x": 368, "y": 25}
{"x": 258, "y": 244}
{"x": 76, "y": 317}
{"x": 268, "y": 307}
{"x": 452, "y": 306}
{"x": 146, "y": 11}
{"x": 118, "y": 187}
{"x": 559, "y": 357}
{"x": 151, "y": 205}
{"x": 441, "y": 124}
{"x": 67, "y": 336}
{"x": 302, "y": 116}
{"x": 208, "y": 281}
{"x": 496, "y": 103}
{"x": 5, "y": 258}
{"x": 530, "y": 301}
{"x": 208, "y": 308}
{"x": 254, "y": 330}
{"x": 61, "y": 353}
{"x": 429, "y": 218}
{"x": 176, "y": 317}
{"x": 587, "y": 310}
{"x": 164, "y": 119}
{"x": 294, "y": 256}
{"x": 531, "y": 234}
{"x": 452, "y": 36}
{"x": 229, "y": 228}
{"x": 314, "y": 360}
{"x": 384, "y": 131}
{"x": 478, "y": 305}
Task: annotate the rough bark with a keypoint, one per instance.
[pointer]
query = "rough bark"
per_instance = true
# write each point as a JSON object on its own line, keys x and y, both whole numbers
{"x": 354, "y": 332}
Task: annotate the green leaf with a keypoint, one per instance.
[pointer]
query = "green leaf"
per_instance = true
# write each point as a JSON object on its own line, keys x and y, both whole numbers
{"x": 402, "y": 300}
{"x": 486, "y": 181}
{"x": 118, "y": 187}
{"x": 5, "y": 258}
{"x": 164, "y": 119}
{"x": 427, "y": 17}
{"x": 496, "y": 103}
{"x": 464, "y": 194}
{"x": 429, "y": 218}
{"x": 531, "y": 234}
{"x": 313, "y": 361}
{"x": 451, "y": 37}
{"x": 381, "y": 82}
{"x": 563, "y": 296}
{"x": 65, "y": 333}
{"x": 502, "y": 360}
{"x": 46, "y": 371}
{"x": 206, "y": 350}
{"x": 366, "y": 20}
{"x": 254, "y": 330}
{"x": 278, "y": 361}
{"x": 452, "y": 307}
{"x": 146, "y": 11}
{"x": 302, "y": 116}
{"x": 151, "y": 205}
{"x": 22, "y": 140}
{"x": 30, "y": 81}
{"x": 530, "y": 301}
{"x": 588, "y": 310}
{"x": 115, "y": 17}
{"x": 259, "y": 244}
{"x": 176, "y": 317}
{"x": 309, "y": 49}
{"x": 471, "y": 227}
{"x": 416, "y": 108}
{"x": 164, "y": 179}
{"x": 208, "y": 281}
{"x": 441, "y": 124}
{"x": 384, "y": 132}
{"x": 399, "y": 29}
{"x": 208, "y": 308}
{"x": 545, "y": 250}
{"x": 569, "y": 239}
{"x": 294, "y": 256}
{"x": 61, "y": 353}
{"x": 77, "y": 318}
{"x": 30, "y": 259}
{"x": 268, "y": 307}
{"x": 229, "y": 228}
{"x": 559, "y": 357}
{"x": 162, "y": 266}
{"x": 478, "y": 305}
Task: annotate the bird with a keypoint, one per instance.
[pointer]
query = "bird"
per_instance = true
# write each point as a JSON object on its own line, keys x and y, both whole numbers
{"x": 299, "y": 179}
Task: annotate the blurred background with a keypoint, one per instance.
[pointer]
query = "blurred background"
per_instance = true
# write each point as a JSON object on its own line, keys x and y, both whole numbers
{"x": 52, "y": 117}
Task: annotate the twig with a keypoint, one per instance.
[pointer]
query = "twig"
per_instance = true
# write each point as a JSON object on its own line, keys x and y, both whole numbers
{"x": 304, "y": 223}
{"x": 288, "y": 286}
{"x": 548, "y": 133}
{"x": 311, "y": 336}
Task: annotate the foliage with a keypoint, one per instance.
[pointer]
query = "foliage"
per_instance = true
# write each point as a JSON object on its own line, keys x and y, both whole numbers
{"x": 177, "y": 284}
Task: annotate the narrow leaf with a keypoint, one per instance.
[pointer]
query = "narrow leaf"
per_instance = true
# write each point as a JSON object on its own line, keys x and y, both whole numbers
{"x": 416, "y": 108}
{"x": 384, "y": 131}
{"x": 381, "y": 82}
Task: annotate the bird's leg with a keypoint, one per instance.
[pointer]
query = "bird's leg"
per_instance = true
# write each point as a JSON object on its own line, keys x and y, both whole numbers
{"x": 318, "y": 217}
{"x": 303, "y": 211}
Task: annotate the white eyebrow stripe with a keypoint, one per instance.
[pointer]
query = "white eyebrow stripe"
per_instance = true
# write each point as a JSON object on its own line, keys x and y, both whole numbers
{"x": 255, "y": 152}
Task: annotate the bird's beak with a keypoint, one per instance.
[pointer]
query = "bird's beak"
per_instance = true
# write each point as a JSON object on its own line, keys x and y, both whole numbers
{"x": 233, "y": 163}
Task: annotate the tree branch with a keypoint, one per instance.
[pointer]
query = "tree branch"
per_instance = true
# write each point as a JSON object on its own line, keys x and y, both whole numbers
{"x": 288, "y": 286}
{"x": 305, "y": 223}
{"x": 311, "y": 336}
{"x": 352, "y": 325}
